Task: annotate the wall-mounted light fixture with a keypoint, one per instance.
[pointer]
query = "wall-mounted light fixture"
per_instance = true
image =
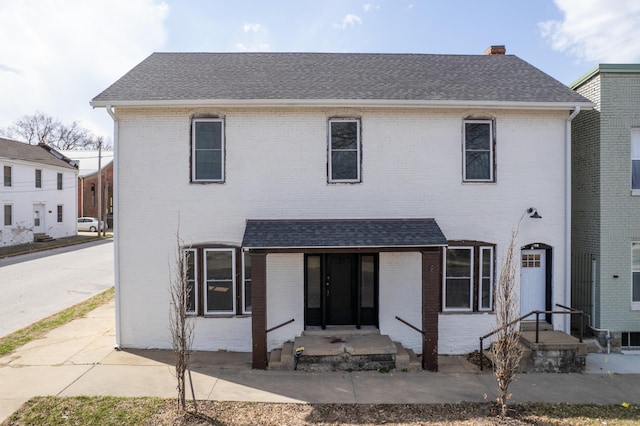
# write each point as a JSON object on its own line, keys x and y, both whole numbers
{"x": 533, "y": 213}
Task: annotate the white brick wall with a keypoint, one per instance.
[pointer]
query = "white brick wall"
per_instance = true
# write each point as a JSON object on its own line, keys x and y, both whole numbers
{"x": 276, "y": 164}
{"x": 401, "y": 295}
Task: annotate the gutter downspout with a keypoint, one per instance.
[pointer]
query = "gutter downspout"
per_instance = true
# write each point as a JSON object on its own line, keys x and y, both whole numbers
{"x": 567, "y": 215}
{"x": 116, "y": 223}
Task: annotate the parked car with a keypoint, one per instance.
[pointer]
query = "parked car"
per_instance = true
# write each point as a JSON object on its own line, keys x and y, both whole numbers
{"x": 89, "y": 224}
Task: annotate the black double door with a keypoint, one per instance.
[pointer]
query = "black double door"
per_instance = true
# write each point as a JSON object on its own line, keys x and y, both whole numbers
{"x": 341, "y": 289}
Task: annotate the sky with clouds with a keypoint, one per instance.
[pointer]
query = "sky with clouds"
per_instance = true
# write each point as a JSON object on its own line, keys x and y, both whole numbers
{"x": 56, "y": 55}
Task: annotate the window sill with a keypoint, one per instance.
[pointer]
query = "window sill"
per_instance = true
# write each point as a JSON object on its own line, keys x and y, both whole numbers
{"x": 635, "y": 193}
{"x": 477, "y": 182}
{"x": 461, "y": 312}
{"x": 211, "y": 315}
{"x": 635, "y": 306}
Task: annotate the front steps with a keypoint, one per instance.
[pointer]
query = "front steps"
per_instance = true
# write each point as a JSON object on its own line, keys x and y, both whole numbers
{"x": 41, "y": 238}
{"x": 344, "y": 350}
{"x": 555, "y": 352}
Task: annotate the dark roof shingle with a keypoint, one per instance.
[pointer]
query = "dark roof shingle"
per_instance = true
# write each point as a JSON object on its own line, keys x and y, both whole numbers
{"x": 348, "y": 233}
{"x": 335, "y": 76}
{"x": 14, "y": 150}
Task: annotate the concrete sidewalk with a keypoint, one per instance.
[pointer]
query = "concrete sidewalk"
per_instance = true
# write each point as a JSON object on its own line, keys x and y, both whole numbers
{"x": 79, "y": 359}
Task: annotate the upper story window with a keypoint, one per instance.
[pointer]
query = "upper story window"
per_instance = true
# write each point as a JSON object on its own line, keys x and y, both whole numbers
{"x": 59, "y": 180}
{"x": 469, "y": 278}
{"x": 344, "y": 150}
{"x": 7, "y": 175}
{"x": 477, "y": 165}
{"x": 38, "y": 178}
{"x": 635, "y": 161}
{"x": 207, "y": 156}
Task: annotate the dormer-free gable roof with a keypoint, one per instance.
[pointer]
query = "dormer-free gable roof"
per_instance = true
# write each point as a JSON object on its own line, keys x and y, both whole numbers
{"x": 337, "y": 78}
{"x": 41, "y": 154}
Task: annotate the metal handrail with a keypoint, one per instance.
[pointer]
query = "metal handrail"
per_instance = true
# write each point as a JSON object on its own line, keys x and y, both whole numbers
{"x": 537, "y": 314}
{"x": 410, "y": 325}
{"x": 280, "y": 325}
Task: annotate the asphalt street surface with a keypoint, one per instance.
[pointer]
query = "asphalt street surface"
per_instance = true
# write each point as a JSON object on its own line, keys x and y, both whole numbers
{"x": 36, "y": 285}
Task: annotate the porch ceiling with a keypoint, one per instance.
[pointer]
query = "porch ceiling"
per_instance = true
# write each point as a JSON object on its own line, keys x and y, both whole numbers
{"x": 342, "y": 233}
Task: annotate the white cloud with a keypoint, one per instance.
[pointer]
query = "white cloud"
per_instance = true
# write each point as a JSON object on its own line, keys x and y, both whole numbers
{"x": 349, "y": 21}
{"x": 596, "y": 30}
{"x": 62, "y": 54}
{"x": 368, "y": 7}
{"x": 257, "y": 47}
{"x": 251, "y": 27}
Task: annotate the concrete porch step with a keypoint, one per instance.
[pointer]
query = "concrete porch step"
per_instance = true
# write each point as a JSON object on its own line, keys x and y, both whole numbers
{"x": 344, "y": 352}
{"x": 341, "y": 330}
{"x": 406, "y": 359}
{"x": 41, "y": 238}
{"x": 531, "y": 326}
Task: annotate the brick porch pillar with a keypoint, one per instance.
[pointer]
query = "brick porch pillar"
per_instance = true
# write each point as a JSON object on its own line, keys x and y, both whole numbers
{"x": 431, "y": 297}
{"x": 259, "y": 310}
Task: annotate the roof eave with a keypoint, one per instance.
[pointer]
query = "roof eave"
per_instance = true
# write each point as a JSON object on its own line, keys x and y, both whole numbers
{"x": 344, "y": 247}
{"x": 370, "y": 103}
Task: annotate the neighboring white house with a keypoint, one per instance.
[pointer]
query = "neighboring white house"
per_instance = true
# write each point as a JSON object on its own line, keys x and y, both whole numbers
{"x": 336, "y": 189}
{"x": 38, "y": 193}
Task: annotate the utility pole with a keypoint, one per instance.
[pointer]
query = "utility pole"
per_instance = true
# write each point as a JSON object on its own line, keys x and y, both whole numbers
{"x": 99, "y": 193}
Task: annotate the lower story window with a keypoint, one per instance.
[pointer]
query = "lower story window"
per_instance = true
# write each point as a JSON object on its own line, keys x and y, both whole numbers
{"x": 8, "y": 214}
{"x": 635, "y": 271}
{"x": 219, "y": 268}
{"x": 59, "y": 214}
{"x": 469, "y": 278}
{"x": 211, "y": 282}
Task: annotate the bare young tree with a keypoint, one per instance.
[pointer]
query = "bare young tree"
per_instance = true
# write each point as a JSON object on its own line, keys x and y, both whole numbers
{"x": 506, "y": 347}
{"x": 42, "y": 128}
{"x": 181, "y": 323}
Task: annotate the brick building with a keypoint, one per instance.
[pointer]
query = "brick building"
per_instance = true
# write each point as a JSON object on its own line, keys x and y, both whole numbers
{"x": 337, "y": 190}
{"x": 606, "y": 203}
{"x": 88, "y": 194}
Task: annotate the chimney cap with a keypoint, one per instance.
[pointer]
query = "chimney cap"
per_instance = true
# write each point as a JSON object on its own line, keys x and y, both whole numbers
{"x": 496, "y": 50}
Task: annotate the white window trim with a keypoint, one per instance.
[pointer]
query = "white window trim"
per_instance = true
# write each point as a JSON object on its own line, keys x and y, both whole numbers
{"x": 196, "y": 293}
{"x": 444, "y": 284}
{"x": 233, "y": 282}
{"x": 358, "y": 151}
{"x": 464, "y": 151}
{"x": 244, "y": 280}
{"x": 481, "y": 277}
{"x": 222, "y": 147}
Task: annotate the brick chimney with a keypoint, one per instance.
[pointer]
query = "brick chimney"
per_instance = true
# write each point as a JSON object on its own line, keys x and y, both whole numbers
{"x": 495, "y": 50}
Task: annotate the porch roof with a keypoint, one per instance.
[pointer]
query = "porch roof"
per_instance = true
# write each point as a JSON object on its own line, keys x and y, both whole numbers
{"x": 342, "y": 233}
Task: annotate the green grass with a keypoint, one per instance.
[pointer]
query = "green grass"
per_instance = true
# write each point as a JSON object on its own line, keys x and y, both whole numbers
{"x": 99, "y": 410}
{"x": 23, "y": 336}
{"x": 84, "y": 410}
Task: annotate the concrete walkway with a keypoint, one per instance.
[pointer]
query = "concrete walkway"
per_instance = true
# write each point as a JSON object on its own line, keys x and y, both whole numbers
{"x": 79, "y": 359}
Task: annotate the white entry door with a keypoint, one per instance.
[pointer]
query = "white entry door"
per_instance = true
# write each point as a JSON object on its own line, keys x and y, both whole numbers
{"x": 533, "y": 282}
{"x": 38, "y": 218}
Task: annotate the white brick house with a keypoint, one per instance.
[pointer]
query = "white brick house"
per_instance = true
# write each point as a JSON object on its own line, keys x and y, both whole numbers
{"x": 335, "y": 189}
{"x": 38, "y": 193}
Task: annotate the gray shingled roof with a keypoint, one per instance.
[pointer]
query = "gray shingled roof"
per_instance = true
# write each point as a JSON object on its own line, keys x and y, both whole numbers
{"x": 335, "y": 76}
{"x": 342, "y": 233}
{"x": 14, "y": 150}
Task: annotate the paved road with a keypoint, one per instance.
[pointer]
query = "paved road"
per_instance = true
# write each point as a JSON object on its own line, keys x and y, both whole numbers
{"x": 36, "y": 285}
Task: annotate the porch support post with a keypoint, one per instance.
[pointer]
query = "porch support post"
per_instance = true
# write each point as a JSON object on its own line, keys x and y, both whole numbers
{"x": 259, "y": 310}
{"x": 431, "y": 297}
